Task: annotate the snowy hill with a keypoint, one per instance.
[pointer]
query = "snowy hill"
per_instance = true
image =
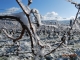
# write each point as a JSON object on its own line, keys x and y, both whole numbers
{"x": 55, "y": 21}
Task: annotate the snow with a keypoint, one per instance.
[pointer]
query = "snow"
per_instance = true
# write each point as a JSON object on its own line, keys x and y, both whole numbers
{"x": 22, "y": 17}
{"x": 76, "y": 26}
{"x": 7, "y": 33}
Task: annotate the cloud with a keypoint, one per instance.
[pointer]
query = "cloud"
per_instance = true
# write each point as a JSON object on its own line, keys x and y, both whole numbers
{"x": 71, "y": 17}
{"x": 50, "y": 16}
{"x": 13, "y": 9}
{"x": 55, "y": 16}
{"x": 10, "y": 11}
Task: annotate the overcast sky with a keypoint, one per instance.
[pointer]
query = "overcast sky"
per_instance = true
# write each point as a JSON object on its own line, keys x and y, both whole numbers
{"x": 49, "y": 9}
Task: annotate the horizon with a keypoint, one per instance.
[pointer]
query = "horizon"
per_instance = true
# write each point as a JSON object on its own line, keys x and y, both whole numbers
{"x": 55, "y": 20}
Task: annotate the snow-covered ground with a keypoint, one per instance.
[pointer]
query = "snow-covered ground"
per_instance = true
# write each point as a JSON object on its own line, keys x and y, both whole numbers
{"x": 7, "y": 47}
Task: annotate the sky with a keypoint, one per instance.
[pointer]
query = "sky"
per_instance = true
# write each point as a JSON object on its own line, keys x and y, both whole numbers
{"x": 49, "y": 9}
